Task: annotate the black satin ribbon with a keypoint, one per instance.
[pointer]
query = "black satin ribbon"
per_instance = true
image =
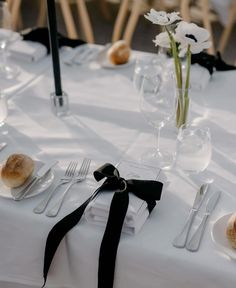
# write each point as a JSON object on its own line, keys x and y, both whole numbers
{"x": 147, "y": 190}
{"x": 41, "y": 35}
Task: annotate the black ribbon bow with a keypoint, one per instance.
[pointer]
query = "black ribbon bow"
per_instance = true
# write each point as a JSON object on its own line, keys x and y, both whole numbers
{"x": 41, "y": 35}
{"x": 147, "y": 190}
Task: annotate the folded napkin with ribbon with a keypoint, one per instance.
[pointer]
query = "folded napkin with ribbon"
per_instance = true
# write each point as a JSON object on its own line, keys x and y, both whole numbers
{"x": 97, "y": 211}
{"x": 41, "y": 35}
{"x": 147, "y": 190}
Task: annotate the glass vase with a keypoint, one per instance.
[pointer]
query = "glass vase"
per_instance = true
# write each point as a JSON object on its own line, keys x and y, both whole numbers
{"x": 182, "y": 107}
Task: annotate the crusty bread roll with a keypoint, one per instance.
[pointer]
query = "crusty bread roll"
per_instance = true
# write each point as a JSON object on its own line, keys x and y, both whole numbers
{"x": 119, "y": 53}
{"x": 17, "y": 170}
{"x": 231, "y": 230}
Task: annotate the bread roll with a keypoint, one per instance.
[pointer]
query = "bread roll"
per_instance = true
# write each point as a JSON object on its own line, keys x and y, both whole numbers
{"x": 17, "y": 170}
{"x": 119, "y": 53}
{"x": 231, "y": 230}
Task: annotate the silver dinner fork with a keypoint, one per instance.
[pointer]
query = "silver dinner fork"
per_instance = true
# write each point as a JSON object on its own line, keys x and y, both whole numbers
{"x": 81, "y": 176}
{"x": 66, "y": 178}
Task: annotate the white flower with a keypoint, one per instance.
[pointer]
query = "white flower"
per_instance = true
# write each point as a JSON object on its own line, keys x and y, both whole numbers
{"x": 162, "y": 40}
{"x": 162, "y": 18}
{"x": 193, "y": 35}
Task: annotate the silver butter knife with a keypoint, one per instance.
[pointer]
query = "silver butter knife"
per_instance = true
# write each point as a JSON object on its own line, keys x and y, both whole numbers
{"x": 3, "y": 145}
{"x": 40, "y": 173}
{"x": 194, "y": 243}
{"x": 181, "y": 238}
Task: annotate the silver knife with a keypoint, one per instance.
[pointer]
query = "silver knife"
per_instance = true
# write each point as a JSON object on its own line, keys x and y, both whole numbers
{"x": 3, "y": 145}
{"x": 181, "y": 239}
{"x": 194, "y": 243}
{"x": 40, "y": 173}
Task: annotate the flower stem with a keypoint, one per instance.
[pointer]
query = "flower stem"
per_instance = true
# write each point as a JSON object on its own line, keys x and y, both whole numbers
{"x": 186, "y": 96}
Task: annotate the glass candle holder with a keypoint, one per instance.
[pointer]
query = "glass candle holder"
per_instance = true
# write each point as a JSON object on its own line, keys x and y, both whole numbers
{"x": 60, "y": 104}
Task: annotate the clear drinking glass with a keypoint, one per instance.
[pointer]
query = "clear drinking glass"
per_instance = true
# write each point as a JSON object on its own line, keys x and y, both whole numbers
{"x": 146, "y": 67}
{"x": 7, "y": 70}
{"x": 194, "y": 150}
{"x": 3, "y": 113}
{"x": 158, "y": 107}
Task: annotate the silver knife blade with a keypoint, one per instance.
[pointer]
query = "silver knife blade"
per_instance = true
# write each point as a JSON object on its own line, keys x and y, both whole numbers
{"x": 200, "y": 196}
{"x": 212, "y": 201}
{"x": 181, "y": 238}
{"x": 194, "y": 243}
{"x": 3, "y": 145}
{"x": 40, "y": 173}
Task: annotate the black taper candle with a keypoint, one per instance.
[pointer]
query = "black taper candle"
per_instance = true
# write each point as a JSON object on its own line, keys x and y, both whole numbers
{"x": 52, "y": 25}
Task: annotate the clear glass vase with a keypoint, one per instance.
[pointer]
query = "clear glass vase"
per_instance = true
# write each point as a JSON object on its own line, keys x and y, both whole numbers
{"x": 182, "y": 107}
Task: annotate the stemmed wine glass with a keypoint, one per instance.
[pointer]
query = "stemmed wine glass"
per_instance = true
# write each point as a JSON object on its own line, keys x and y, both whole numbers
{"x": 7, "y": 70}
{"x": 3, "y": 113}
{"x": 157, "y": 106}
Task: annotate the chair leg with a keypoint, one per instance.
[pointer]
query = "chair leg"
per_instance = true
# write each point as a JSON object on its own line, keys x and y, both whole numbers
{"x": 68, "y": 18}
{"x": 105, "y": 10}
{"x": 119, "y": 23}
{"x": 85, "y": 21}
{"x": 207, "y": 23}
{"x": 185, "y": 10}
{"x": 227, "y": 30}
{"x": 134, "y": 16}
{"x": 42, "y": 14}
{"x": 15, "y": 12}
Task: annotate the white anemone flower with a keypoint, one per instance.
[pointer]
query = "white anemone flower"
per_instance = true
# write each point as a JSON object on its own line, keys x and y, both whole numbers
{"x": 193, "y": 35}
{"x": 162, "y": 40}
{"x": 162, "y": 18}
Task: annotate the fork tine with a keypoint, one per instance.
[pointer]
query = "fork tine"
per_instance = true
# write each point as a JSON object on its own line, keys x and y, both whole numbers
{"x": 84, "y": 168}
{"x": 72, "y": 172}
{"x": 68, "y": 168}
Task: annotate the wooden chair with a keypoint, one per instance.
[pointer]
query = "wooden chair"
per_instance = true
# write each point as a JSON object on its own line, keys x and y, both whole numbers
{"x": 68, "y": 18}
{"x": 135, "y": 10}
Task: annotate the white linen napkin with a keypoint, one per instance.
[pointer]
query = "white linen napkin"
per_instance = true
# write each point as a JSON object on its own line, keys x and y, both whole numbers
{"x": 98, "y": 210}
{"x": 28, "y": 50}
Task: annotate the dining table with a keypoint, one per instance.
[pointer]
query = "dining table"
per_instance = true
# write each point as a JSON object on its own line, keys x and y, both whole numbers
{"x": 106, "y": 126}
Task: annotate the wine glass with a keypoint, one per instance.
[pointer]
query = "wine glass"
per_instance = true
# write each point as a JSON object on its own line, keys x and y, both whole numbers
{"x": 146, "y": 66}
{"x": 193, "y": 151}
{"x": 6, "y": 35}
{"x": 3, "y": 113}
{"x": 157, "y": 106}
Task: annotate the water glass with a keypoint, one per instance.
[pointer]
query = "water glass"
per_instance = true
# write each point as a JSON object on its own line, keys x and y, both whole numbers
{"x": 194, "y": 149}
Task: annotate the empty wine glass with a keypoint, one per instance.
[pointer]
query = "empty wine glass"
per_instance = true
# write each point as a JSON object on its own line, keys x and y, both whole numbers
{"x": 193, "y": 152}
{"x": 157, "y": 106}
{"x": 145, "y": 67}
{"x": 7, "y": 70}
{"x": 3, "y": 113}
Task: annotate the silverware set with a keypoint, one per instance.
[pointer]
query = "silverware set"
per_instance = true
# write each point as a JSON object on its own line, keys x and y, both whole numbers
{"x": 70, "y": 178}
{"x": 193, "y": 243}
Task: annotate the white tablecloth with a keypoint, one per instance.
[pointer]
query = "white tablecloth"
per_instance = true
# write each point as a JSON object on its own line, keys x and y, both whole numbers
{"x": 106, "y": 125}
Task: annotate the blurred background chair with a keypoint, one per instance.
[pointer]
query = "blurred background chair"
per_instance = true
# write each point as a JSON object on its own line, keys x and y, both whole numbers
{"x": 65, "y": 5}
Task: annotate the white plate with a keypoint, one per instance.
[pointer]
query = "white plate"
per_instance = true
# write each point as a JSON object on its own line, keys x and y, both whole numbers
{"x": 106, "y": 64}
{"x": 219, "y": 236}
{"x": 39, "y": 187}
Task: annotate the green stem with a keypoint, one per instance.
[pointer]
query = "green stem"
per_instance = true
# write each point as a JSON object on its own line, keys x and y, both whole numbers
{"x": 186, "y": 96}
{"x": 178, "y": 73}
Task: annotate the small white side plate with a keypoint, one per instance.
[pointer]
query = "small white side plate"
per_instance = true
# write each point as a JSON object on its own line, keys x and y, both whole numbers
{"x": 218, "y": 235}
{"x": 38, "y": 188}
{"x": 104, "y": 62}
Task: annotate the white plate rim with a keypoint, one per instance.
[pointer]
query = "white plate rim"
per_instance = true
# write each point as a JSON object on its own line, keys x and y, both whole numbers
{"x": 39, "y": 188}
{"x": 223, "y": 243}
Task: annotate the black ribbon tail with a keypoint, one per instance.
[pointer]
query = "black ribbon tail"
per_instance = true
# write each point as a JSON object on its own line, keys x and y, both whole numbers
{"x": 111, "y": 238}
{"x": 59, "y": 231}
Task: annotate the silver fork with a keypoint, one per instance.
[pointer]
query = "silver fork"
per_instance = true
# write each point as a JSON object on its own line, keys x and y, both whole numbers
{"x": 81, "y": 176}
{"x": 68, "y": 176}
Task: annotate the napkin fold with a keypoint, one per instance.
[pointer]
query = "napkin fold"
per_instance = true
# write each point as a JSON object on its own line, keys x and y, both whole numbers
{"x": 41, "y": 35}
{"x": 28, "y": 51}
{"x": 97, "y": 211}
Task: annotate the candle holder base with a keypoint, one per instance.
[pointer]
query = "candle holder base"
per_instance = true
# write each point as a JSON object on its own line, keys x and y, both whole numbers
{"x": 60, "y": 104}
